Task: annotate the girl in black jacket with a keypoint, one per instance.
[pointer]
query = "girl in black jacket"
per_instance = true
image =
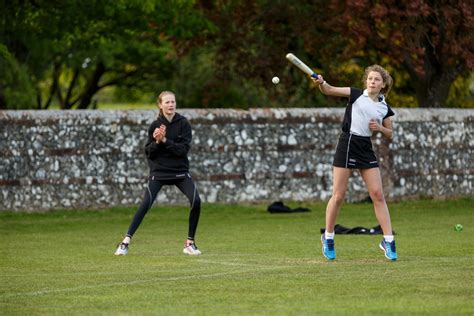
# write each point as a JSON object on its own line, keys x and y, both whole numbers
{"x": 169, "y": 140}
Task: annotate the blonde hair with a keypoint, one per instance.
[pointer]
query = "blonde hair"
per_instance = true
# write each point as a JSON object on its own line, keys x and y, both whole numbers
{"x": 160, "y": 99}
{"x": 387, "y": 79}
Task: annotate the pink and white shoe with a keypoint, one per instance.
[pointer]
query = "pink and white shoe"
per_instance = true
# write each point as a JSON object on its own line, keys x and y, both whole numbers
{"x": 122, "y": 249}
{"x": 191, "y": 249}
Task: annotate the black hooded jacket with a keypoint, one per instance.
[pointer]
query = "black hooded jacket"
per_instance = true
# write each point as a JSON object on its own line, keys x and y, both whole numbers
{"x": 169, "y": 160}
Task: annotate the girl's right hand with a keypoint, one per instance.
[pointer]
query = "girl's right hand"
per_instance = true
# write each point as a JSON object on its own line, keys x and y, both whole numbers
{"x": 319, "y": 81}
{"x": 159, "y": 133}
{"x": 156, "y": 135}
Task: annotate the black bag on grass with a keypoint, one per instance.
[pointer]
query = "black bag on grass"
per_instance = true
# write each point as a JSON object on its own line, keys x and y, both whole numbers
{"x": 279, "y": 207}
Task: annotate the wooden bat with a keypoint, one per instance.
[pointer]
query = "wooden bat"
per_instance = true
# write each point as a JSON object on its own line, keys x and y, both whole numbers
{"x": 301, "y": 65}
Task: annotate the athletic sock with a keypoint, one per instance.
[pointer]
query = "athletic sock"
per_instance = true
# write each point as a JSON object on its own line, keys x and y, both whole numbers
{"x": 189, "y": 241}
{"x": 388, "y": 238}
{"x": 126, "y": 240}
{"x": 329, "y": 235}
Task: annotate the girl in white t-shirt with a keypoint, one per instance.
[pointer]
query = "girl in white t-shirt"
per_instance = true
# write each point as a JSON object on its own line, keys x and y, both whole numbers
{"x": 366, "y": 112}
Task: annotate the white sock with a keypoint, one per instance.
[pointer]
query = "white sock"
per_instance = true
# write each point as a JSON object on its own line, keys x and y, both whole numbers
{"x": 329, "y": 235}
{"x": 126, "y": 240}
{"x": 388, "y": 238}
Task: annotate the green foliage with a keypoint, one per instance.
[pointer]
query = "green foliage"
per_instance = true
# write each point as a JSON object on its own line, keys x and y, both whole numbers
{"x": 80, "y": 47}
{"x": 461, "y": 94}
{"x": 426, "y": 45}
{"x": 431, "y": 41}
{"x": 71, "y": 54}
{"x": 253, "y": 262}
{"x": 15, "y": 88}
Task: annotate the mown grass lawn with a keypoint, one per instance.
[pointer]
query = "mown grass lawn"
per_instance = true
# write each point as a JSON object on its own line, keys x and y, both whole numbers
{"x": 253, "y": 262}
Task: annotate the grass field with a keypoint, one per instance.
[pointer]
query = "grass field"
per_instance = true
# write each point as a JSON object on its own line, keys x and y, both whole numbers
{"x": 253, "y": 263}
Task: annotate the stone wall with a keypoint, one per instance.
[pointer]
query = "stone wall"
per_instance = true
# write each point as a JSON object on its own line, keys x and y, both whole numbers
{"x": 95, "y": 159}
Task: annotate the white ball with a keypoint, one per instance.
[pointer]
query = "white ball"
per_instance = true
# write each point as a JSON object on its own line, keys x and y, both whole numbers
{"x": 275, "y": 80}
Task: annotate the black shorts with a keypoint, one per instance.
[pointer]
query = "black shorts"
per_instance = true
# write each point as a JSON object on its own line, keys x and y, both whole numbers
{"x": 354, "y": 152}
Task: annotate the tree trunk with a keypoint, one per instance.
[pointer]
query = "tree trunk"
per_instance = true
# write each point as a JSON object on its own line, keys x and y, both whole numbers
{"x": 432, "y": 90}
{"x": 67, "y": 100}
{"x": 92, "y": 87}
{"x": 54, "y": 88}
{"x": 3, "y": 100}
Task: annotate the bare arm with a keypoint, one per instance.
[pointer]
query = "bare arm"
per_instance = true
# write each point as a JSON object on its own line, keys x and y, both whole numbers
{"x": 385, "y": 128}
{"x": 327, "y": 89}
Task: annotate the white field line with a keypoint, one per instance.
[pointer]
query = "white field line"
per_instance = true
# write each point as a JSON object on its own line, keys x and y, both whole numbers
{"x": 234, "y": 264}
{"x": 120, "y": 272}
{"x": 159, "y": 279}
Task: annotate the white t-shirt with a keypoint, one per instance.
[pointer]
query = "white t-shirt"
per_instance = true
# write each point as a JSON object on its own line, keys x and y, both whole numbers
{"x": 361, "y": 109}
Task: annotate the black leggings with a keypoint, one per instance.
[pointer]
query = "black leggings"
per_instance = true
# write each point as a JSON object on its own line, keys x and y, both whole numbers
{"x": 186, "y": 186}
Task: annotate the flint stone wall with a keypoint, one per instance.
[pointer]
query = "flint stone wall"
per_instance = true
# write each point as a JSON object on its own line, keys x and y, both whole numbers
{"x": 95, "y": 159}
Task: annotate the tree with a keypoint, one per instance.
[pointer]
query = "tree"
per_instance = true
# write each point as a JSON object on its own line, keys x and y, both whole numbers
{"x": 224, "y": 53}
{"x": 425, "y": 44}
{"x": 433, "y": 41}
{"x": 14, "y": 82}
{"x": 249, "y": 48}
{"x": 73, "y": 49}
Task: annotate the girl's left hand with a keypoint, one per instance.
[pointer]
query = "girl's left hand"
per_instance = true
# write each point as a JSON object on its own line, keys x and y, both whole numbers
{"x": 374, "y": 125}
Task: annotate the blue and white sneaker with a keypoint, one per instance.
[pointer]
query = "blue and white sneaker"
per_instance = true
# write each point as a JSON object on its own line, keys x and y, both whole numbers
{"x": 389, "y": 249}
{"x": 122, "y": 249}
{"x": 328, "y": 248}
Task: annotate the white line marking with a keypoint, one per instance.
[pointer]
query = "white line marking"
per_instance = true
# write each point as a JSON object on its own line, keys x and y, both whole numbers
{"x": 348, "y": 146}
{"x": 162, "y": 279}
{"x": 234, "y": 264}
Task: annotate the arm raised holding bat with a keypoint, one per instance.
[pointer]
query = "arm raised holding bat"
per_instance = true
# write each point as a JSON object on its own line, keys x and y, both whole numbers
{"x": 327, "y": 89}
{"x": 375, "y": 124}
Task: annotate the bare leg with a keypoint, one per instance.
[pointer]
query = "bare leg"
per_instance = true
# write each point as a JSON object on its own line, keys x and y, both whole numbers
{"x": 340, "y": 180}
{"x": 373, "y": 181}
